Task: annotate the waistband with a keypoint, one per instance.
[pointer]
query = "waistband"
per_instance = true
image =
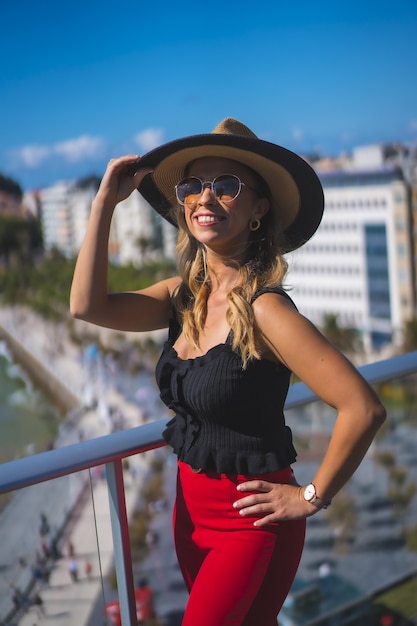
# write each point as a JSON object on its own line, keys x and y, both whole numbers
{"x": 285, "y": 475}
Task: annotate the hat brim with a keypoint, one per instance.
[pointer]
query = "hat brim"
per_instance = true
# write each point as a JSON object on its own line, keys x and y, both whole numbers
{"x": 297, "y": 199}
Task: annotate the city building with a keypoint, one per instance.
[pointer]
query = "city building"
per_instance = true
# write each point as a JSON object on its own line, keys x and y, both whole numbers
{"x": 360, "y": 264}
{"x": 137, "y": 233}
{"x": 56, "y": 217}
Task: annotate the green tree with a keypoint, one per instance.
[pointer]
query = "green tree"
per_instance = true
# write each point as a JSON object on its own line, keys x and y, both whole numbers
{"x": 44, "y": 285}
{"x": 410, "y": 335}
{"x": 20, "y": 240}
{"x": 385, "y": 458}
{"x": 342, "y": 516}
{"x": 10, "y": 186}
{"x": 400, "y": 491}
{"x": 346, "y": 339}
{"x": 145, "y": 245}
{"x": 412, "y": 538}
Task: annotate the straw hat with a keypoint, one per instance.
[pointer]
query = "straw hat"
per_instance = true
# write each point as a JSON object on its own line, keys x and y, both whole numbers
{"x": 297, "y": 200}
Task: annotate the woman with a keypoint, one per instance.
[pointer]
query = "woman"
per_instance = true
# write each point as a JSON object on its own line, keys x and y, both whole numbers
{"x": 235, "y": 336}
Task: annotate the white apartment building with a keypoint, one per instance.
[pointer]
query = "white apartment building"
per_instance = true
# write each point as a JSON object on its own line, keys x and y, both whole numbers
{"x": 359, "y": 264}
{"x": 138, "y": 234}
{"x": 56, "y": 217}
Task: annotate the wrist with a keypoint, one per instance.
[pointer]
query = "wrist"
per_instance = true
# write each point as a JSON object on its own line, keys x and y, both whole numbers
{"x": 102, "y": 208}
{"x": 310, "y": 495}
{"x": 102, "y": 202}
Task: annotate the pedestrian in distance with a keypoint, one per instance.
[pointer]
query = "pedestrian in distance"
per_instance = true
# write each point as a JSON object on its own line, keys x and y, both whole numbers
{"x": 45, "y": 549}
{"x": 44, "y": 527}
{"x": 39, "y": 605}
{"x": 22, "y": 561}
{"x": 70, "y": 549}
{"x": 73, "y": 570}
{"x": 16, "y": 595}
{"x": 19, "y": 599}
{"x": 234, "y": 339}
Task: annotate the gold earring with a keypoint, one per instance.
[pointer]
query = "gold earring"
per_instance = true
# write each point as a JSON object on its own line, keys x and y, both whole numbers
{"x": 254, "y": 225}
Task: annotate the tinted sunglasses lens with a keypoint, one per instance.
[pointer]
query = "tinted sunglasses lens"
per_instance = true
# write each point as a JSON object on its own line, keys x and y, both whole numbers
{"x": 226, "y": 188}
{"x": 188, "y": 189}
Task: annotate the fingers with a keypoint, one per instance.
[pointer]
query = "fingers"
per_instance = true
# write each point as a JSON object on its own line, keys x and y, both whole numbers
{"x": 129, "y": 166}
{"x": 259, "y": 503}
{"x": 255, "y": 485}
{"x": 123, "y": 175}
{"x": 272, "y": 502}
{"x": 263, "y": 511}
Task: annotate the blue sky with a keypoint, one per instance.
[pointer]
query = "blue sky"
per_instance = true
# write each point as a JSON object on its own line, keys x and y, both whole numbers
{"x": 83, "y": 81}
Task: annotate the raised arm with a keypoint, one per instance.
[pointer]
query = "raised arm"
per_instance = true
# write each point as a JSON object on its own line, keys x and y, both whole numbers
{"x": 290, "y": 337}
{"x": 147, "y": 309}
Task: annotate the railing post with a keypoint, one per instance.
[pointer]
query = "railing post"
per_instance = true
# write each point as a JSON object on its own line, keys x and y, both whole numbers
{"x": 121, "y": 543}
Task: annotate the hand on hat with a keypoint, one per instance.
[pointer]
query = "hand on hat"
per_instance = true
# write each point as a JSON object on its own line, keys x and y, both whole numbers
{"x": 122, "y": 176}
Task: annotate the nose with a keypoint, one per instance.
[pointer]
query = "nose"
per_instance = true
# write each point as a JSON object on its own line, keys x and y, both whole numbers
{"x": 207, "y": 195}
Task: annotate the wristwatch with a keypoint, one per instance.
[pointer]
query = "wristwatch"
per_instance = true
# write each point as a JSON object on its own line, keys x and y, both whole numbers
{"x": 311, "y": 496}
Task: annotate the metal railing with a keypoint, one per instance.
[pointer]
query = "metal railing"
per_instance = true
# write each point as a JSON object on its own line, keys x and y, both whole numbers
{"x": 110, "y": 450}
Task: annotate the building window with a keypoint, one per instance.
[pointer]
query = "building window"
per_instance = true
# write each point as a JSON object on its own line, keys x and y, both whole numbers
{"x": 377, "y": 271}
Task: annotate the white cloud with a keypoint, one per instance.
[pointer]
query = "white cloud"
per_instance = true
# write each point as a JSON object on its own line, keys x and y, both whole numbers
{"x": 149, "y": 139}
{"x": 413, "y": 125}
{"x": 79, "y": 148}
{"x": 84, "y": 147}
{"x": 32, "y": 156}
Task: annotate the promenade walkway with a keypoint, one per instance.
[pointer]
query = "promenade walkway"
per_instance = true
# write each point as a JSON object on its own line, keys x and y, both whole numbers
{"x": 68, "y": 603}
{"x": 65, "y": 602}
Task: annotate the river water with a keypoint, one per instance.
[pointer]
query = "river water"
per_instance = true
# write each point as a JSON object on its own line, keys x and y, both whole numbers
{"x": 29, "y": 422}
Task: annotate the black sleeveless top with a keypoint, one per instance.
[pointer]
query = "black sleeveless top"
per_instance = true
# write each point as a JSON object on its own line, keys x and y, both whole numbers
{"x": 227, "y": 419}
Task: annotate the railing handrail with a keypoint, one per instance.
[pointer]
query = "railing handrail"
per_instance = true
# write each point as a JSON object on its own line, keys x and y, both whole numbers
{"x": 79, "y": 456}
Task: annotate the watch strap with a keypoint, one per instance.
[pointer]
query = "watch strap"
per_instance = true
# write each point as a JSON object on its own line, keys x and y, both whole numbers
{"x": 314, "y": 499}
{"x": 319, "y": 503}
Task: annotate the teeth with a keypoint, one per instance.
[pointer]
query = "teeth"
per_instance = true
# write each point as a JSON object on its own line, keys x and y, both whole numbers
{"x": 205, "y": 219}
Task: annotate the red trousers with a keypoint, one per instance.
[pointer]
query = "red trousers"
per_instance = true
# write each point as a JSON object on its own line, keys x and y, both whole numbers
{"x": 236, "y": 574}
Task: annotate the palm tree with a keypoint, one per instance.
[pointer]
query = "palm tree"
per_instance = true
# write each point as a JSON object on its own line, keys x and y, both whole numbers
{"x": 342, "y": 516}
{"x": 400, "y": 492}
{"x": 346, "y": 339}
{"x": 410, "y": 335}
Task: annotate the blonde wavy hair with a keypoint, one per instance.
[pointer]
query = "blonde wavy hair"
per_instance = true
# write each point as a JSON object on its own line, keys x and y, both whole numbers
{"x": 263, "y": 267}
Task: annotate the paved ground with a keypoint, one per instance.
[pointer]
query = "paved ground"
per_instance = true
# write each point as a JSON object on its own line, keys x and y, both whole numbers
{"x": 68, "y": 603}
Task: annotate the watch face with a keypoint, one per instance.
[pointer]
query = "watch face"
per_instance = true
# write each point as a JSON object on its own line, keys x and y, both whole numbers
{"x": 309, "y": 492}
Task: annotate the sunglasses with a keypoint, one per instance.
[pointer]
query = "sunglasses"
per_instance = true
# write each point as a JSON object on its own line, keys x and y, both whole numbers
{"x": 226, "y": 188}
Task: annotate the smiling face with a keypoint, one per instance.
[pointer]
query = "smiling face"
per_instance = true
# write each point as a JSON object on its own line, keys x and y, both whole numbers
{"x": 224, "y": 226}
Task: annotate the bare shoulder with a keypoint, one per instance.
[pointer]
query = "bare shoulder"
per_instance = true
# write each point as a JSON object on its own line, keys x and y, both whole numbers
{"x": 285, "y": 330}
{"x": 275, "y": 312}
{"x": 278, "y": 322}
{"x": 295, "y": 341}
{"x": 272, "y": 300}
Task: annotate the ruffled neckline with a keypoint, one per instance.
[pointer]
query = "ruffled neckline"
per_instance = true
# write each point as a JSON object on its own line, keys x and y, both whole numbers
{"x": 202, "y": 358}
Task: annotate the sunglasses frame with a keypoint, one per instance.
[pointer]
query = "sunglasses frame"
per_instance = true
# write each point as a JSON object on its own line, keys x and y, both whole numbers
{"x": 210, "y": 183}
